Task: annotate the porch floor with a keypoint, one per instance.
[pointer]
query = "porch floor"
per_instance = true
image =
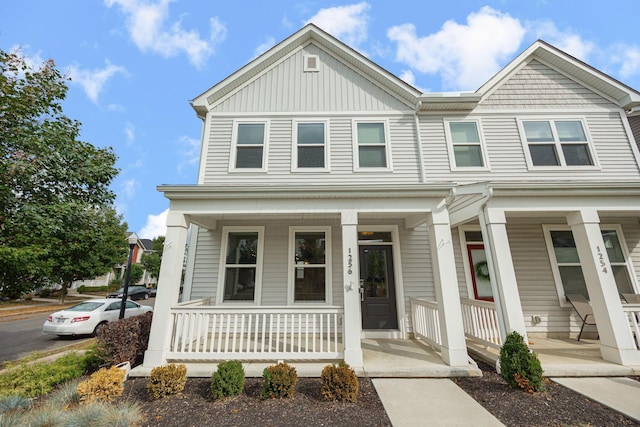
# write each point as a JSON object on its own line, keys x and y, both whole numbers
{"x": 383, "y": 358}
{"x": 562, "y": 357}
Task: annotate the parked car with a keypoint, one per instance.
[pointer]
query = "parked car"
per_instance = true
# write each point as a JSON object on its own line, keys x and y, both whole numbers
{"x": 89, "y": 316}
{"x": 134, "y": 292}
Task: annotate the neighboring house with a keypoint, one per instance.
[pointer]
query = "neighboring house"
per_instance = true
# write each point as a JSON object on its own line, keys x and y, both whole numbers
{"x": 336, "y": 202}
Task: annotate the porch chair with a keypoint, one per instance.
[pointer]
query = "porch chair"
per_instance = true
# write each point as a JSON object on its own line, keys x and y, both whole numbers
{"x": 583, "y": 309}
{"x": 631, "y": 298}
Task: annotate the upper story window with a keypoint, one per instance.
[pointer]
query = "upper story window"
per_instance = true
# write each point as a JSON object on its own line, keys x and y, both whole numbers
{"x": 249, "y": 149}
{"x": 310, "y": 147}
{"x": 552, "y": 143}
{"x": 466, "y": 145}
{"x": 371, "y": 145}
{"x": 310, "y": 264}
{"x": 241, "y": 264}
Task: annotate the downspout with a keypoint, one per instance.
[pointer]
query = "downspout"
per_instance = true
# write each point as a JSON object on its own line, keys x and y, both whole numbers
{"x": 419, "y": 141}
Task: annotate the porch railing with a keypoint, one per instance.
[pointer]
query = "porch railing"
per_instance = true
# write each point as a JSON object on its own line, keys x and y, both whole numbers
{"x": 209, "y": 333}
{"x": 480, "y": 321}
{"x": 426, "y": 324}
{"x": 633, "y": 315}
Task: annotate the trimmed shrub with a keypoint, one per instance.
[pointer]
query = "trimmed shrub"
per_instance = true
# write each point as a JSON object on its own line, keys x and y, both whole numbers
{"x": 339, "y": 383}
{"x": 279, "y": 381}
{"x": 103, "y": 385}
{"x": 519, "y": 366}
{"x": 167, "y": 380}
{"x": 88, "y": 289}
{"x": 228, "y": 380}
{"x": 125, "y": 340}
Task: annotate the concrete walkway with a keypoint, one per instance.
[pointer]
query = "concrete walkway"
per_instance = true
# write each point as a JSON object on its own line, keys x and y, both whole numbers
{"x": 430, "y": 401}
{"x": 620, "y": 394}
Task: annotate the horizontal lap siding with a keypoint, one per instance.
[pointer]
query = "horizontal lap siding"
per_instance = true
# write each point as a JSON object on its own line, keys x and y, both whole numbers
{"x": 204, "y": 283}
{"x": 631, "y": 231}
{"x": 460, "y": 254}
{"x": 634, "y": 122}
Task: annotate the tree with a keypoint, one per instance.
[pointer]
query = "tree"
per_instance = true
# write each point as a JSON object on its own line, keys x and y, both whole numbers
{"x": 151, "y": 261}
{"x": 48, "y": 180}
{"x": 136, "y": 274}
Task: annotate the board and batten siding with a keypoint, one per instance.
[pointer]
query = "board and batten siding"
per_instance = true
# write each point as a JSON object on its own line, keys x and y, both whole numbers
{"x": 285, "y": 87}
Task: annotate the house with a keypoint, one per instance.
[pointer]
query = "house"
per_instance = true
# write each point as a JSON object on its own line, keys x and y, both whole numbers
{"x": 337, "y": 203}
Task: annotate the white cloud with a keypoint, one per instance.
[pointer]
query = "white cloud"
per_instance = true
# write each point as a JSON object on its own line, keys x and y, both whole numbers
{"x": 566, "y": 40}
{"x": 150, "y": 31}
{"x": 189, "y": 152}
{"x": 156, "y": 226}
{"x": 130, "y": 132}
{"x": 347, "y": 23}
{"x": 626, "y": 58}
{"x": 94, "y": 81}
{"x": 130, "y": 187}
{"x": 465, "y": 55}
{"x": 263, "y": 47}
{"x": 408, "y": 77}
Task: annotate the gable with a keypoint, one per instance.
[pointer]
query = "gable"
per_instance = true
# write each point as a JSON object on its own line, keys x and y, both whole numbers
{"x": 536, "y": 85}
{"x": 286, "y": 87}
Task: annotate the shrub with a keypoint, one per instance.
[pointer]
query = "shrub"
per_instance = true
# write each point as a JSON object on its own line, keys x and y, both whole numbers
{"x": 279, "y": 381}
{"x": 88, "y": 289}
{"x": 103, "y": 385}
{"x": 339, "y": 383}
{"x": 125, "y": 340}
{"x": 519, "y": 366}
{"x": 228, "y": 380}
{"x": 167, "y": 380}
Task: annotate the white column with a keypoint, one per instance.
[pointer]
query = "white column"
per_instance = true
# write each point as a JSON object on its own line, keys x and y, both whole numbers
{"x": 616, "y": 341}
{"x": 503, "y": 276}
{"x": 350, "y": 267}
{"x": 168, "y": 289}
{"x": 454, "y": 348}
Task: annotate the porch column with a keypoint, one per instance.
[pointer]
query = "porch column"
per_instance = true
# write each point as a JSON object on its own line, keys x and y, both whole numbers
{"x": 352, "y": 317}
{"x": 616, "y": 341}
{"x": 501, "y": 271}
{"x": 168, "y": 289}
{"x": 454, "y": 348}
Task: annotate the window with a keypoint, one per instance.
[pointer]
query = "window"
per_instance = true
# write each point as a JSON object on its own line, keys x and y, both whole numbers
{"x": 310, "y": 147}
{"x": 310, "y": 261}
{"x": 466, "y": 145}
{"x": 371, "y": 145}
{"x": 249, "y": 150}
{"x": 241, "y": 264}
{"x": 566, "y": 262}
{"x": 557, "y": 143}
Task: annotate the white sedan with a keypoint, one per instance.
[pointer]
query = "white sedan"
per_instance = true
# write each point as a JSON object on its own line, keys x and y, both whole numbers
{"x": 89, "y": 316}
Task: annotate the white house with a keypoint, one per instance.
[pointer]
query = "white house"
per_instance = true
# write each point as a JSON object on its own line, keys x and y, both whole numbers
{"x": 335, "y": 202}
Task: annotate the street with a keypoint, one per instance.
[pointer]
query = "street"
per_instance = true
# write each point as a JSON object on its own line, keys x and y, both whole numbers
{"x": 22, "y": 337}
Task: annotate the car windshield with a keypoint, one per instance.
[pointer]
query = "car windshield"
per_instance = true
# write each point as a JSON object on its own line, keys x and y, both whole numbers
{"x": 131, "y": 288}
{"x": 85, "y": 306}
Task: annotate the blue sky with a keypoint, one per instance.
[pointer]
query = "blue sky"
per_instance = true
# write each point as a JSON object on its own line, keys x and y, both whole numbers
{"x": 136, "y": 64}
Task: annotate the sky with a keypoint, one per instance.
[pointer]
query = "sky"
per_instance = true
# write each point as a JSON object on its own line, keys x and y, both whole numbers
{"x": 135, "y": 64}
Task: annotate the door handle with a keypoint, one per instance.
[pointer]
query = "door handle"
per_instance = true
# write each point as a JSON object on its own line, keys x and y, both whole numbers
{"x": 361, "y": 290}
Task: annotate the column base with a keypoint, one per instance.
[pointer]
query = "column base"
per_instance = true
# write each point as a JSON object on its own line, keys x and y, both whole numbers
{"x": 153, "y": 358}
{"x": 354, "y": 358}
{"x": 455, "y": 357}
{"x": 621, "y": 356}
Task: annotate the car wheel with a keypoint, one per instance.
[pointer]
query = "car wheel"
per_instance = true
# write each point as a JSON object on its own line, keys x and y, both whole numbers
{"x": 97, "y": 328}
{"x": 146, "y": 295}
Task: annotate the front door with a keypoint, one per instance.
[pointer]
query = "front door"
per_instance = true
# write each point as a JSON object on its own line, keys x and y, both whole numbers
{"x": 479, "y": 272}
{"x": 378, "y": 291}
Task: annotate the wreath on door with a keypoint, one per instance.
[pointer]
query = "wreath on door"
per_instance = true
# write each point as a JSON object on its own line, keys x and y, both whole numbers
{"x": 482, "y": 270}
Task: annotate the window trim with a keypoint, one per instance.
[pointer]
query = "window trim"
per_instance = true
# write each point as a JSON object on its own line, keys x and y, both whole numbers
{"x": 222, "y": 270}
{"x": 450, "y": 146}
{"x": 558, "y": 144}
{"x": 328, "y": 263}
{"x": 557, "y": 279}
{"x": 356, "y": 146}
{"x": 294, "y": 147}
{"x": 234, "y": 146}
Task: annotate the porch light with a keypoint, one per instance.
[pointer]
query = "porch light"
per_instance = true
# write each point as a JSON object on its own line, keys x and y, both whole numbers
{"x": 133, "y": 241}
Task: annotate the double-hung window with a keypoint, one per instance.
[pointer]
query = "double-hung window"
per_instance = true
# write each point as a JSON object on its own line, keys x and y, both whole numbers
{"x": 465, "y": 145}
{"x": 566, "y": 263}
{"x": 371, "y": 145}
{"x": 241, "y": 264}
{"x": 249, "y": 150}
{"x": 310, "y": 147}
{"x": 552, "y": 143}
{"x": 310, "y": 265}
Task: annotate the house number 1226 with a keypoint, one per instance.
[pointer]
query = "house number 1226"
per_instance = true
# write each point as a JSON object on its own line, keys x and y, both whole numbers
{"x": 350, "y": 262}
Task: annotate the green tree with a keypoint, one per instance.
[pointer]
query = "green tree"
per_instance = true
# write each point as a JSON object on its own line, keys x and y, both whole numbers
{"x": 152, "y": 260}
{"x": 49, "y": 179}
{"x": 136, "y": 274}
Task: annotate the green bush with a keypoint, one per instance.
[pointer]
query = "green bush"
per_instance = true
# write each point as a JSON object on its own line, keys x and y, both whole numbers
{"x": 167, "y": 380}
{"x": 103, "y": 385}
{"x": 519, "y": 366}
{"x": 88, "y": 289}
{"x": 228, "y": 380}
{"x": 125, "y": 340}
{"x": 279, "y": 381}
{"x": 339, "y": 383}
{"x": 31, "y": 380}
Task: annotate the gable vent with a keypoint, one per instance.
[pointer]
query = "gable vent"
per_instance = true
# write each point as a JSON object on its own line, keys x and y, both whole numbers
{"x": 311, "y": 63}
